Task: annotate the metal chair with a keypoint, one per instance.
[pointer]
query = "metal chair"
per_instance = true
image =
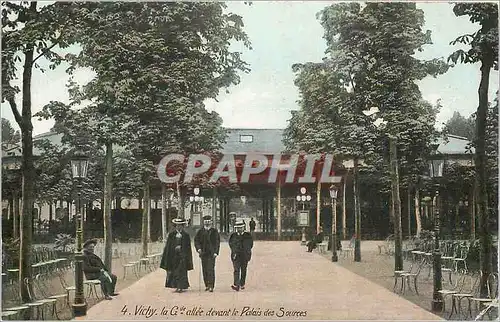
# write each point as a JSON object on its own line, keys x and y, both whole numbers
{"x": 470, "y": 289}
{"x": 92, "y": 288}
{"x": 462, "y": 258}
{"x": 455, "y": 289}
{"x": 411, "y": 275}
{"x": 486, "y": 303}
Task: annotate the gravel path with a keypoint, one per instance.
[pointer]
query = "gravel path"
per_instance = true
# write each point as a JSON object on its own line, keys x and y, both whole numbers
{"x": 284, "y": 282}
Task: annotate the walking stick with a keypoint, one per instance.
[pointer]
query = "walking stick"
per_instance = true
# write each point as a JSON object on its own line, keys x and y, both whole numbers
{"x": 199, "y": 278}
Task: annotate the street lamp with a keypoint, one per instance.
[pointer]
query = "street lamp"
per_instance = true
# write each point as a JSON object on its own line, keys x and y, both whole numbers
{"x": 333, "y": 195}
{"x": 436, "y": 166}
{"x": 79, "y": 166}
{"x": 302, "y": 198}
{"x": 196, "y": 199}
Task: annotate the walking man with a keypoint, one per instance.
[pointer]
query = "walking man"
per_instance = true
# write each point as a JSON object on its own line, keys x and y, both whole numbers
{"x": 177, "y": 258}
{"x": 252, "y": 226}
{"x": 94, "y": 269}
{"x": 207, "y": 244}
{"x": 241, "y": 244}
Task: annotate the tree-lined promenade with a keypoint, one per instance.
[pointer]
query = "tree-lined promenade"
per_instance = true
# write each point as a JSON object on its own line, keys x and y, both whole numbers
{"x": 156, "y": 64}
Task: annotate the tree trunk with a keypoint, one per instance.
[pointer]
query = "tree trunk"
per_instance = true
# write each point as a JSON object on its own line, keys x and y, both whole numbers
{"x": 398, "y": 236}
{"x": 108, "y": 191}
{"x": 147, "y": 203}
{"x": 318, "y": 206}
{"x": 214, "y": 206}
{"x": 180, "y": 198}
{"x": 417, "y": 212}
{"x": 472, "y": 209}
{"x": 391, "y": 208}
{"x": 28, "y": 172}
{"x": 481, "y": 162}
{"x": 408, "y": 198}
{"x": 357, "y": 214}
{"x": 148, "y": 208}
{"x": 344, "y": 210}
{"x": 164, "y": 212}
{"x": 15, "y": 216}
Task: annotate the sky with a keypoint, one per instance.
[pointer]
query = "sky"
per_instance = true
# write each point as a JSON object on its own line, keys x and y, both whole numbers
{"x": 285, "y": 33}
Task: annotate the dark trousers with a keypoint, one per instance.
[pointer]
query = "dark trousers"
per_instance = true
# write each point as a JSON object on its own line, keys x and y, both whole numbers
{"x": 108, "y": 287}
{"x": 311, "y": 245}
{"x": 240, "y": 272}
{"x": 208, "y": 266}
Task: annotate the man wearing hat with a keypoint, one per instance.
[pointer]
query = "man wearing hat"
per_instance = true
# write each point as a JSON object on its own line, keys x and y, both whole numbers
{"x": 241, "y": 244}
{"x": 177, "y": 258}
{"x": 94, "y": 269}
{"x": 207, "y": 244}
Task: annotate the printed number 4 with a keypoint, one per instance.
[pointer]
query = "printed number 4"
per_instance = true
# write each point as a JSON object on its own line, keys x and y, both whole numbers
{"x": 124, "y": 310}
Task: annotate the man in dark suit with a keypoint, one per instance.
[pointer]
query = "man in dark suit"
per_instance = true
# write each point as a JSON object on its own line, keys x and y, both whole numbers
{"x": 207, "y": 244}
{"x": 177, "y": 257}
{"x": 241, "y": 244}
{"x": 316, "y": 240}
{"x": 252, "y": 225}
{"x": 94, "y": 269}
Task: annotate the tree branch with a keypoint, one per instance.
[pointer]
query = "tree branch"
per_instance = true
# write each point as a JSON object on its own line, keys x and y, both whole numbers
{"x": 56, "y": 42}
{"x": 46, "y": 50}
{"x": 15, "y": 111}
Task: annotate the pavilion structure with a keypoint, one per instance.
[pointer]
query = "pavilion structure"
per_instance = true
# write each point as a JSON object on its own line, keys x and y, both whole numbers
{"x": 277, "y": 198}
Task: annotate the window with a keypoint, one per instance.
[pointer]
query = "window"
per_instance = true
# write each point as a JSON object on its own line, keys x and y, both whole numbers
{"x": 246, "y": 138}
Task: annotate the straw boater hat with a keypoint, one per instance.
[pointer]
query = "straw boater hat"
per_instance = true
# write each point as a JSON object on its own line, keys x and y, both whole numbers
{"x": 239, "y": 223}
{"x": 179, "y": 221}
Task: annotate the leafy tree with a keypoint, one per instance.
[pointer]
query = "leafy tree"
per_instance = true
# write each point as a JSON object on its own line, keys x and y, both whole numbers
{"x": 9, "y": 134}
{"x": 460, "y": 126}
{"x": 153, "y": 74}
{"x": 370, "y": 63}
{"x": 28, "y": 34}
{"x": 484, "y": 50}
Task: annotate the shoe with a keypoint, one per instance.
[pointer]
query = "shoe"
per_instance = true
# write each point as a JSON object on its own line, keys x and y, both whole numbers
{"x": 115, "y": 294}
{"x": 211, "y": 289}
{"x": 207, "y": 288}
{"x": 178, "y": 290}
{"x": 242, "y": 287}
{"x": 107, "y": 297}
{"x": 235, "y": 287}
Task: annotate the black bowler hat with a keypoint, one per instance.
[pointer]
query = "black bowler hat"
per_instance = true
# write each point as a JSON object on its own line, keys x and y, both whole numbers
{"x": 90, "y": 242}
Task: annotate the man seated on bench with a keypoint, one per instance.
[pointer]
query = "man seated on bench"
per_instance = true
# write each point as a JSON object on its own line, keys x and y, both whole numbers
{"x": 94, "y": 269}
{"x": 315, "y": 241}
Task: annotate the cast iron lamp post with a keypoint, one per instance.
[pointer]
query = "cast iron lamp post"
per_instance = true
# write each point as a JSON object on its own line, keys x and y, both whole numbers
{"x": 302, "y": 198}
{"x": 79, "y": 165}
{"x": 333, "y": 195}
{"x": 436, "y": 171}
{"x": 196, "y": 199}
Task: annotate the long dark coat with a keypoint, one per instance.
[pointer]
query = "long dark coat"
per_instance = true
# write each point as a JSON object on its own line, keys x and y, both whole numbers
{"x": 177, "y": 263}
{"x": 92, "y": 265}
{"x": 241, "y": 246}
{"x": 207, "y": 241}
